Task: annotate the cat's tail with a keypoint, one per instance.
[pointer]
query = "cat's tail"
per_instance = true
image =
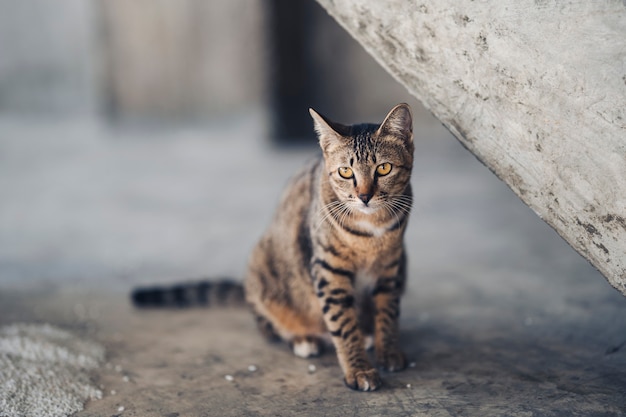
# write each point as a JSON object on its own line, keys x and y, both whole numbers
{"x": 203, "y": 293}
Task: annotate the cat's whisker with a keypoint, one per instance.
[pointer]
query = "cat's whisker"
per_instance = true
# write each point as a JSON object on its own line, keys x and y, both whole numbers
{"x": 400, "y": 197}
{"x": 350, "y": 210}
{"x": 330, "y": 206}
{"x": 338, "y": 213}
{"x": 345, "y": 215}
{"x": 403, "y": 203}
{"x": 402, "y": 200}
{"x": 389, "y": 208}
{"x": 395, "y": 206}
{"x": 321, "y": 221}
{"x": 400, "y": 208}
{"x": 334, "y": 209}
{"x": 326, "y": 212}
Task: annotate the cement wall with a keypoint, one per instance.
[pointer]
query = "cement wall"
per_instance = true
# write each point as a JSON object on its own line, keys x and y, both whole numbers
{"x": 535, "y": 89}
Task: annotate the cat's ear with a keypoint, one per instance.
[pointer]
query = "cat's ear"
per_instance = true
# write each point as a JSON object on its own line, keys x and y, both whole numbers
{"x": 398, "y": 122}
{"x": 328, "y": 132}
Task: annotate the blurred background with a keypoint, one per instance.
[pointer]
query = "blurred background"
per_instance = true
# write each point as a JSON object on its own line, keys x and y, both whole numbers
{"x": 189, "y": 61}
{"x": 149, "y": 140}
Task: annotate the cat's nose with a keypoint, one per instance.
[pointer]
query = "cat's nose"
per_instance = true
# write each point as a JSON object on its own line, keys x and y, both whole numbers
{"x": 365, "y": 198}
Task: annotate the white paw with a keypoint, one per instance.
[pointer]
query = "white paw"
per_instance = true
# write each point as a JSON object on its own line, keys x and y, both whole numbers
{"x": 368, "y": 342}
{"x": 306, "y": 349}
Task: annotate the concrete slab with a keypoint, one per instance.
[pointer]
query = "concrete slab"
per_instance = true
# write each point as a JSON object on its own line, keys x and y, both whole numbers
{"x": 501, "y": 316}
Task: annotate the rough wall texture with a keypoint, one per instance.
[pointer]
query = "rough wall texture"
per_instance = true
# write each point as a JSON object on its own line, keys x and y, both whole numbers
{"x": 535, "y": 89}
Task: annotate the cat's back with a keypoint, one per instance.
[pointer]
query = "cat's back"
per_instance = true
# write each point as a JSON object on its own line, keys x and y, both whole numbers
{"x": 298, "y": 198}
{"x": 287, "y": 236}
{"x": 279, "y": 263}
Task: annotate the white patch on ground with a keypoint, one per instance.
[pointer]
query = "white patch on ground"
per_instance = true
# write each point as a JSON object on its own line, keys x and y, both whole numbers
{"x": 44, "y": 371}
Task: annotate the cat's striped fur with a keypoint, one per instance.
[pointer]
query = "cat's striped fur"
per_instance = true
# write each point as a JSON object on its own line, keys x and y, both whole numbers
{"x": 332, "y": 263}
{"x": 202, "y": 293}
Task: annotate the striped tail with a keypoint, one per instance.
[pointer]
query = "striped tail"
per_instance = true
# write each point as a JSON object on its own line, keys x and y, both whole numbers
{"x": 193, "y": 294}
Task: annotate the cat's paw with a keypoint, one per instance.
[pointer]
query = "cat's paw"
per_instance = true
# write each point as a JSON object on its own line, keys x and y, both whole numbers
{"x": 392, "y": 360}
{"x": 307, "y": 347}
{"x": 363, "y": 380}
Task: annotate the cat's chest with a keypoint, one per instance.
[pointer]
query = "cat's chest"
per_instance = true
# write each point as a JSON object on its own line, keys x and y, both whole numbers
{"x": 376, "y": 230}
{"x": 364, "y": 281}
{"x": 372, "y": 243}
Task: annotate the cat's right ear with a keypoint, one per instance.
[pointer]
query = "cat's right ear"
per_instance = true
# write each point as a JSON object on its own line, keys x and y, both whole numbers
{"x": 328, "y": 132}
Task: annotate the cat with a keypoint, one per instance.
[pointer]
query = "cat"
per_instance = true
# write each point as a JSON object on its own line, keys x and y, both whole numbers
{"x": 331, "y": 266}
{"x": 333, "y": 261}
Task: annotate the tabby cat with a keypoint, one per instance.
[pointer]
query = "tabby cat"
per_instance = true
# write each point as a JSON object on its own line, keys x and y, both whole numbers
{"x": 332, "y": 263}
{"x": 331, "y": 267}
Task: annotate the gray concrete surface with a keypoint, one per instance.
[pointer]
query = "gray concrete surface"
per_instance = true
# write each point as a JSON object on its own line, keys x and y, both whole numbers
{"x": 501, "y": 317}
{"x": 534, "y": 89}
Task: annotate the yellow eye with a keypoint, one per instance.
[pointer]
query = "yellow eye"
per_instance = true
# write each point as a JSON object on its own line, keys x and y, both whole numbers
{"x": 383, "y": 169}
{"x": 346, "y": 172}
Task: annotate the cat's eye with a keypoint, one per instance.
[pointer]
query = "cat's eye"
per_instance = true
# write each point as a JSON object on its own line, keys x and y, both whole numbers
{"x": 346, "y": 172}
{"x": 383, "y": 169}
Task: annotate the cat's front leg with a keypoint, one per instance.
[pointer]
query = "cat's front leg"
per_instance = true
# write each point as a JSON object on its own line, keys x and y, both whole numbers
{"x": 386, "y": 297}
{"x": 335, "y": 292}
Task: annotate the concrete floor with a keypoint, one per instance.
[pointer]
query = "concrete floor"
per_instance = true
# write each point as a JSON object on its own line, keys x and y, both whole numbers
{"x": 501, "y": 317}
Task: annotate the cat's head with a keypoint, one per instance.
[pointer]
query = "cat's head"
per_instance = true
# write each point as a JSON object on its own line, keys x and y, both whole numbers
{"x": 368, "y": 165}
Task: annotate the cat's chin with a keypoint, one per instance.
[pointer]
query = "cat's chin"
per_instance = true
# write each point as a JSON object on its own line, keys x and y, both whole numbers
{"x": 367, "y": 210}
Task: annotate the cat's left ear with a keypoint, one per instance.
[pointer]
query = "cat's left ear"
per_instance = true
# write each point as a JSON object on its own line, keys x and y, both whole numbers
{"x": 328, "y": 132}
{"x": 398, "y": 122}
